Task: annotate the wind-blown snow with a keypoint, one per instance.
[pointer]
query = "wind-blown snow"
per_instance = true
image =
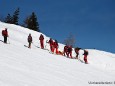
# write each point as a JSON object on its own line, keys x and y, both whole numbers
{"x": 20, "y": 66}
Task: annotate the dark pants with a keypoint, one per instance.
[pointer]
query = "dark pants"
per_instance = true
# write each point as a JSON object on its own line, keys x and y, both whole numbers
{"x": 85, "y": 59}
{"x": 5, "y": 39}
{"x": 42, "y": 44}
{"x": 77, "y": 55}
{"x": 29, "y": 46}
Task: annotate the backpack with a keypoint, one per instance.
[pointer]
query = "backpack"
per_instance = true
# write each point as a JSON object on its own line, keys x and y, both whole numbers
{"x": 85, "y": 52}
{"x": 69, "y": 49}
{"x": 3, "y": 32}
{"x": 56, "y": 41}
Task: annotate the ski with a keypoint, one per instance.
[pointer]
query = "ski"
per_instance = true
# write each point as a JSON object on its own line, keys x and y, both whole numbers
{"x": 25, "y": 46}
{"x": 3, "y": 42}
{"x": 82, "y": 61}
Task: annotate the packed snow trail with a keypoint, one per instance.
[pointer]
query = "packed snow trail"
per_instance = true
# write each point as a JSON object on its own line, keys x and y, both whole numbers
{"x": 21, "y": 66}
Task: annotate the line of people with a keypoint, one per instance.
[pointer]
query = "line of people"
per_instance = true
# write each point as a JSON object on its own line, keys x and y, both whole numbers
{"x": 67, "y": 51}
{"x": 77, "y": 49}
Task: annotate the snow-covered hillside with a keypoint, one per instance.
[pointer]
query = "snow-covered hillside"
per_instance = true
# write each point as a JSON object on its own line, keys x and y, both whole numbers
{"x": 20, "y": 66}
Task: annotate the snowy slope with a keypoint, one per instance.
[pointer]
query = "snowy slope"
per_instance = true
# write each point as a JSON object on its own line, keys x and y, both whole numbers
{"x": 20, "y": 66}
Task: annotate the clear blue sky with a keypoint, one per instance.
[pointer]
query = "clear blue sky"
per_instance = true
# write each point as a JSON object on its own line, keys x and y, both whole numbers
{"x": 92, "y": 22}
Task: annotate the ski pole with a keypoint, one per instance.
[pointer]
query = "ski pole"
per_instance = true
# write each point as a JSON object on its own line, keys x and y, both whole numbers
{"x": 8, "y": 40}
{"x": 34, "y": 44}
{"x": 46, "y": 45}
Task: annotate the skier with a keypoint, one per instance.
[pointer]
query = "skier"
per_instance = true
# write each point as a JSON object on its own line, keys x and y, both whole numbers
{"x": 85, "y": 56}
{"x": 77, "y": 51}
{"x": 29, "y": 40}
{"x": 41, "y": 38}
{"x": 65, "y": 51}
{"x": 69, "y": 53}
{"x": 51, "y": 45}
{"x": 5, "y": 35}
{"x": 56, "y": 46}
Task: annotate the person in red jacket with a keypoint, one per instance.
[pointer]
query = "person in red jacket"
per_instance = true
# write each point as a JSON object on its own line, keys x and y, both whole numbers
{"x": 65, "y": 51}
{"x": 85, "y": 56}
{"x": 77, "y": 51}
{"x": 5, "y": 35}
{"x": 29, "y": 40}
{"x": 51, "y": 45}
{"x": 56, "y": 46}
{"x": 69, "y": 53}
{"x": 41, "y": 38}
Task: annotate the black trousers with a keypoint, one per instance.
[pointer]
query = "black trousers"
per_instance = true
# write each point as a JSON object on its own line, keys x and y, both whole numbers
{"x": 29, "y": 46}
{"x": 5, "y": 39}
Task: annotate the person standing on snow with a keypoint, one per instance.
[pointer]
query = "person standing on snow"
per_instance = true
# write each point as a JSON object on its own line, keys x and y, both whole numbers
{"x": 85, "y": 56}
{"x": 5, "y": 35}
{"x": 65, "y": 51}
{"x": 41, "y": 38}
{"x": 56, "y": 46}
{"x": 69, "y": 53}
{"x": 51, "y": 45}
{"x": 29, "y": 40}
{"x": 77, "y": 52}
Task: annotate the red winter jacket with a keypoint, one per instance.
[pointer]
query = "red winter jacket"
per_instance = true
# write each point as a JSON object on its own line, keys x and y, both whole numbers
{"x": 69, "y": 49}
{"x": 41, "y": 37}
{"x": 55, "y": 44}
{"x": 5, "y": 33}
{"x": 51, "y": 42}
{"x": 65, "y": 48}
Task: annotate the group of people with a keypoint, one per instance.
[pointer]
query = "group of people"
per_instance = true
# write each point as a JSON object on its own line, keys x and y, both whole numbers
{"x": 67, "y": 51}
{"x": 77, "y": 49}
{"x": 53, "y": 45}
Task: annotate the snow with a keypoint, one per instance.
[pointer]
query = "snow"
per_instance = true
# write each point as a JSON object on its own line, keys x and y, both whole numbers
{"x": 20, "y": 66}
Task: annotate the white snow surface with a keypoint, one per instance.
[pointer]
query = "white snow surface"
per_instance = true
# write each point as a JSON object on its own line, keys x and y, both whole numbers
{"x": 21, "y": 66}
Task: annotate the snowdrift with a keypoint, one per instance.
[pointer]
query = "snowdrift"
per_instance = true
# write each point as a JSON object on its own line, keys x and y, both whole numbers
{"x": 20, "y": 66}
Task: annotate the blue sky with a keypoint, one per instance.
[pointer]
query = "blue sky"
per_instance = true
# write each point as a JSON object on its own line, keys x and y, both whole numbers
{"x": 91, "y": 22}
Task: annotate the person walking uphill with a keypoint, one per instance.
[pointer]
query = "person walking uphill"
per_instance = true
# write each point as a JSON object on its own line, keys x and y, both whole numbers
{"x": 69, "y": 53}
{"x": 85, "y": 56}
{"x": 29, "y": 40}
{"x": 51, "y": 45}
{"x": 65, "y": 51}
{"x": 5, "y": 35}
{"x": 41, "y": 38}
{"x": 77, "y": 51}
{"x": 56, "y": 46}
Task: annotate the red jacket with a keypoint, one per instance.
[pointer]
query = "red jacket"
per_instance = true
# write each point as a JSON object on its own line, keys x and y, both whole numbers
{"x": 5, "y": 33}
{"x": 65, "y": 48}
{"x": 69, "y": 49}
{"x": 55, "y": 44}
{"x": 41, "y": 37}
{"x": 51, "y": 42}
